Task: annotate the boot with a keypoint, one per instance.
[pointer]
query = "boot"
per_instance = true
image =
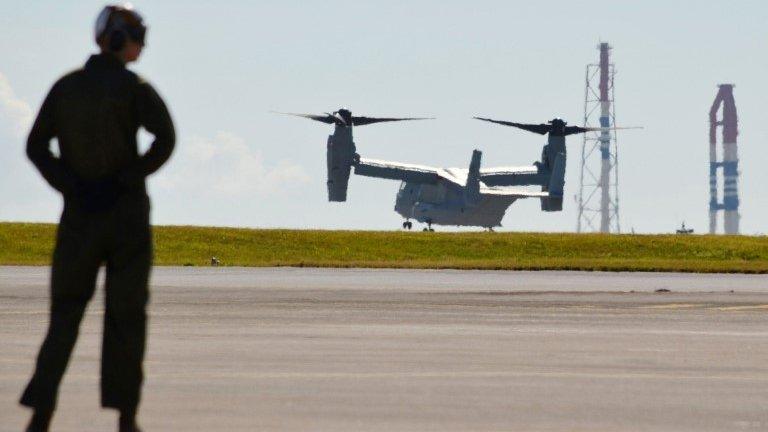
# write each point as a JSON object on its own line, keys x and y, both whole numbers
{"x": 41, "y": 420}
{"x": 127, "y": 421}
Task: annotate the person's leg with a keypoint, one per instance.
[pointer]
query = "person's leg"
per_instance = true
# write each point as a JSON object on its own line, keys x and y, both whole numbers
{"x": 76, "y": 262}
{"x": 125, "y": 320}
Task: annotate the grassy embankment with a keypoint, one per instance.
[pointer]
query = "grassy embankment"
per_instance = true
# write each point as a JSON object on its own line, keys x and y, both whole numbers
{"x": 31, "y": 244}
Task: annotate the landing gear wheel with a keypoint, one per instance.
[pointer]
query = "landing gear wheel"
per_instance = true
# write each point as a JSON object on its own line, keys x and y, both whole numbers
{"x": 425, "y": 229}
{"x": 407, "y": 225}
{"x": 429, "y": 226}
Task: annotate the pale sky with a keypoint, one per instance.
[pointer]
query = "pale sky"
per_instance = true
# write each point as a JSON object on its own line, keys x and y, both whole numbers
{"x": 223, "y": 66}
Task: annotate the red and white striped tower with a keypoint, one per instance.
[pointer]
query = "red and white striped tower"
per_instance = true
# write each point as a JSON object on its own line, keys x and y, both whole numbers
{"x": 599, "y": 173}
{"x": 605, "y": 140}
{"x": 729, "y": 164}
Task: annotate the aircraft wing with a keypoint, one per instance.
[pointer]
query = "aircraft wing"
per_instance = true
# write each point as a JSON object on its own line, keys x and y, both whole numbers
{"x": 410, "y": 172}
{"x": 426, "y": 174}
{"x": 396, "y": 171}
{"x": 512, "y": 192}
{"x": 501, "y": 171}
{"x": 509, "y": 176}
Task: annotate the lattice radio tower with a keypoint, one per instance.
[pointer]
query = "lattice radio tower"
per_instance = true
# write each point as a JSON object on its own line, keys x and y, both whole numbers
{"x": 598, "y": 197}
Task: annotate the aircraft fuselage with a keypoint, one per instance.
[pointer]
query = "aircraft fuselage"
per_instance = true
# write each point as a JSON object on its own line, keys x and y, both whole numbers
{"x": 443, "y": 203}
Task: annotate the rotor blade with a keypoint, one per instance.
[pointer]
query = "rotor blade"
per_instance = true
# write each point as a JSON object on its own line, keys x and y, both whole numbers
{"x": 570, "y": 130}
{"x": 325, "y": 118}
{"x": 540, "y": 129}
{"x": 361, "y": 121}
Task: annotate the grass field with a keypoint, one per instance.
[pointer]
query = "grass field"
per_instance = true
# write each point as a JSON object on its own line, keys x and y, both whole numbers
{"x": 31, "y": 244}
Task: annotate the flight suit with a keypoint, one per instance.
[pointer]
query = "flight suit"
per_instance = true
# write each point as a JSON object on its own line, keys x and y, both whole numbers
{"x": 95, "y": 113}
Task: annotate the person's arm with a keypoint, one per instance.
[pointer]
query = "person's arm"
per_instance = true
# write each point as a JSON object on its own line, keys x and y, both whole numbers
{"x": 39, "y": 148}
{"x": 153, "y": 115}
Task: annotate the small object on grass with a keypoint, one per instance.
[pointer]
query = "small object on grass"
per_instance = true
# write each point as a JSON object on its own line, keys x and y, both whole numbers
{"x": 683, "y": 230}
{"x": 215, "y": 261}
{"x": 662, "y": 290}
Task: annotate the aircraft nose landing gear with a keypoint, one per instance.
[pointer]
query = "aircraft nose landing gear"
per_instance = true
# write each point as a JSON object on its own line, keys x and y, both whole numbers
{"x": 407, "y": 225}
{"x": 429, "y": 226}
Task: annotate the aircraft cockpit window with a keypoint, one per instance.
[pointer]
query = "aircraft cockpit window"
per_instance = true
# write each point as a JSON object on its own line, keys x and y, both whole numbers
{"x": 403, "y": 189}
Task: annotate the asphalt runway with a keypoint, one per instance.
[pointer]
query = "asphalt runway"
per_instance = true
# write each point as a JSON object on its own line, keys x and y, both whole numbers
{"x": 402, "y": 350}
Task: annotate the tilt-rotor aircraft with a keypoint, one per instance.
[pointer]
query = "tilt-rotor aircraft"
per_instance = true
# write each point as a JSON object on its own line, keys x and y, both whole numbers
{"x": 449, "y": 196}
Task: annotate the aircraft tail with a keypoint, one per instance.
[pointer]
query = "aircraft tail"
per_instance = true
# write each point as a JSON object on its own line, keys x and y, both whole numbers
{"x": 472, "y": 190}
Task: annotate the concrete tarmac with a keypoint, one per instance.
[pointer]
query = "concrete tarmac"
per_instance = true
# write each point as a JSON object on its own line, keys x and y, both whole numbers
{"x": 403, "y": 350}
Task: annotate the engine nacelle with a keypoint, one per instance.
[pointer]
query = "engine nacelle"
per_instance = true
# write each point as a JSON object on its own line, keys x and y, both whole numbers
{"x": 552, "y": 204}
{"x": 340, "y": 154}
{"x": 556, "y": 185}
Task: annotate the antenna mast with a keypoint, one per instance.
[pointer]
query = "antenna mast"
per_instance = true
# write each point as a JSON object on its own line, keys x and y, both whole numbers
{"x": 598, "y": 197}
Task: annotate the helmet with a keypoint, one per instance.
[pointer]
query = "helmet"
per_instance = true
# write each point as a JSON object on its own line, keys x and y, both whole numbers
{"x": 118, "y": 22}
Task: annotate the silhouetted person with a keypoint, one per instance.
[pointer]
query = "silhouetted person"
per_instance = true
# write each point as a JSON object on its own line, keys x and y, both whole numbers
{"x": 95, "y": 113}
